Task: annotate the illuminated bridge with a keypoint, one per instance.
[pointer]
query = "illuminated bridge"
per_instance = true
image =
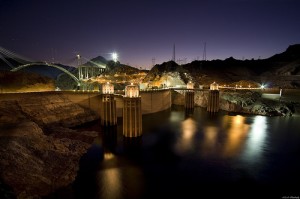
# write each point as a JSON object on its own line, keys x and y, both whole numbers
{"x": 83, "y": 72}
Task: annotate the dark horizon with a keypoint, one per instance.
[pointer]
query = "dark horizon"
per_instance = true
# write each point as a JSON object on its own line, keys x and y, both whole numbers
{"x": 139, "y": 31}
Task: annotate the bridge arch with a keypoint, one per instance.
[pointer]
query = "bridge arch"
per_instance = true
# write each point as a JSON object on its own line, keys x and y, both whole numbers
{"x": 46, "y": 64}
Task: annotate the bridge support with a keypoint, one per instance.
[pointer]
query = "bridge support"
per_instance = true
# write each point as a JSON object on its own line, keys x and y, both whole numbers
{"x": 108, "y": 112}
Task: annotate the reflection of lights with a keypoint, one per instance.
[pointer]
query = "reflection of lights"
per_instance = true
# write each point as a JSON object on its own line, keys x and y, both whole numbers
{"x": 188, "y": 128}
{"x": 210, "y": 134}
{"x": 236, "y": 135}
{"x": 108, "y": 156}
{"x": 210, "y": 138}
{"x": 237, "y": 120}
{"x": 256, "y": 138}
{"x": 176, "y": 116}
{"x": 111, "y": 182}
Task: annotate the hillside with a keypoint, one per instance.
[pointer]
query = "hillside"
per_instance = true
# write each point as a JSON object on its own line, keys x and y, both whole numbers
{"x": 24, "y": 82}
{"x": 280, "y": 70}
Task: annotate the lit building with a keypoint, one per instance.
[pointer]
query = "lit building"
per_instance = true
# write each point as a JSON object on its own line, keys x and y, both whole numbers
{"x": 107, "y": 88}
{"x": 190, "y": 85}
{"x": 108, "y": 106}
{"x": 213, "y": 98}
{"x": 214, "y": 86}
{"x": 132, "y": 112}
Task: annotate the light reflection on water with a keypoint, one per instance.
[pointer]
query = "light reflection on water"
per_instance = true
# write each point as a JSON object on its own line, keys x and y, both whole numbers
{"x": 185, "y": 141}
{"x": 256, "y": 139}
{"x": 236, "y": 134}
{"x": 183, "y": 155}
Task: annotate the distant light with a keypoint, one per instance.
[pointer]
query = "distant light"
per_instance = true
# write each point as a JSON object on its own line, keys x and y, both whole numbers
{"x": 78, "y": 56}
{"x": 262, "y": 86}
{"x": 114, "y": 56}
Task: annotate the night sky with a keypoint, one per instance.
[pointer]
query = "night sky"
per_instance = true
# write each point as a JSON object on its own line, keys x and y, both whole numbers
{"x": 56, "y": 30}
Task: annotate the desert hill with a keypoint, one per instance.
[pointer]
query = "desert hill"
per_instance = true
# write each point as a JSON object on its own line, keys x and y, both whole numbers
{"x": 280, "y": 70}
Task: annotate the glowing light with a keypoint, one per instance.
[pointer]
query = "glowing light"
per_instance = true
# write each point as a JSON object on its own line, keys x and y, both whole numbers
{"x": 114, "y": 56}
{"x": 190, "y": 85}
{"x": 262, "y": 86}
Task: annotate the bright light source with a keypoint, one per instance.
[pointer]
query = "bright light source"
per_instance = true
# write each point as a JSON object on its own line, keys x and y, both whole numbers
{"x": 262, "y": 86}
{"x": 114, "y": 56}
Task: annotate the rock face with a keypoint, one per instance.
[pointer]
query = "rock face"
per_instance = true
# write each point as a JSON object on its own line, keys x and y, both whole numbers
{"x": 241, "y": 101}
{"x": 245, "y": 101}
{"x": 38, "y": 153}
{"x": 24, "y": 82}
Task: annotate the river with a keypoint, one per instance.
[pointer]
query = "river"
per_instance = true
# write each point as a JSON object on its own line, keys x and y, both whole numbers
{"x": 192, "y": 155}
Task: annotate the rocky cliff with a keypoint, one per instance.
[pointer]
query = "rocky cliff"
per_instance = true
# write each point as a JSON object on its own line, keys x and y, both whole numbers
{"x": 240, "y": 101}
{"x": 24, "y": 82}
{"x": 38, "y": 152}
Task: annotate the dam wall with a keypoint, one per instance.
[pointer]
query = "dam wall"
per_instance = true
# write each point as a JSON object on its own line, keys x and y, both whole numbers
{"x": 152, "y": 101}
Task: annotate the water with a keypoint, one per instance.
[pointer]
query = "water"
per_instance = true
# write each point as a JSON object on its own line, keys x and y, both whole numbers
{"x": 193, "y": 155}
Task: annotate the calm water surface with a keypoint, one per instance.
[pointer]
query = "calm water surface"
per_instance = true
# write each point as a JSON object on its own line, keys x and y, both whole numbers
{"x": 193, "y": 155}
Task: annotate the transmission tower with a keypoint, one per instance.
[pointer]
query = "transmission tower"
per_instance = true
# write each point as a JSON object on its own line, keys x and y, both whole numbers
{"x": 174, "y": 57}
{"x": 204, "y": 52}
{"x": 153, "y": 61}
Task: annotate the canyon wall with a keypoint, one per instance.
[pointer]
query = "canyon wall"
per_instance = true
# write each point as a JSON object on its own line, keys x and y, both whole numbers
{"x": 240, "y": 101}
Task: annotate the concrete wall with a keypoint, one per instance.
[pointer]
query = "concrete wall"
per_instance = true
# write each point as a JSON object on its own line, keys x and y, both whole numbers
{"x": 200, "y": 97}
{"x": 152, "y": 101}
{"x": 90, "y": 100}
{"x": 155, "y": 101}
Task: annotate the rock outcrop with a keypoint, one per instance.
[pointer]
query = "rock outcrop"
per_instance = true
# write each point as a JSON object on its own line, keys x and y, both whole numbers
{"x": 246, "y": 101}
{"x": 240, "y": 101}
{"x": 38, "y": 153}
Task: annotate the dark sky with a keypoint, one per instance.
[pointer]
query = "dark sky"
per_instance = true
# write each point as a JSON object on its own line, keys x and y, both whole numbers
{"x": 140, "y": 30}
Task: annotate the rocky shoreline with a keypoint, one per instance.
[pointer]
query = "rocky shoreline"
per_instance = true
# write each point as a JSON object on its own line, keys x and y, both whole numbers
{"x": 35, "y": 131}
{"x": 241, "y": 101}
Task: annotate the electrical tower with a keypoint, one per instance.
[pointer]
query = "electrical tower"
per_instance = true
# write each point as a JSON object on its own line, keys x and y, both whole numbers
{"x": 153, "y": 61}
{"x": 174, "y": 57}
{"x": 204, "y": 52}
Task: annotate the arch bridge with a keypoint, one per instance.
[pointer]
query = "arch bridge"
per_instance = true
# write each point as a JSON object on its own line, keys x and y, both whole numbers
{"x": 50, "y": 65}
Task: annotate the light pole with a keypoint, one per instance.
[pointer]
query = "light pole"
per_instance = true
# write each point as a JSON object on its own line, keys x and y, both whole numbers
{"x": 79, "y": 67}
